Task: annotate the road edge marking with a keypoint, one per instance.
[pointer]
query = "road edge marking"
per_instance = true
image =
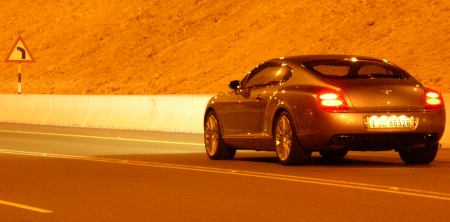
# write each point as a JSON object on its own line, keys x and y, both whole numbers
{"x": 100, "y": 137}
{"x": 26, "y": 207}
{"x": 272, "y": 176}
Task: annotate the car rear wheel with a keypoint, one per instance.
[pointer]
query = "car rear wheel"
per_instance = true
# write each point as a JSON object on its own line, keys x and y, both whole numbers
{"x": 333, "y": 155}
{"x": 288, "y": 148}
{"x": 216, "y": 149}
{"x": 420, "y": 156}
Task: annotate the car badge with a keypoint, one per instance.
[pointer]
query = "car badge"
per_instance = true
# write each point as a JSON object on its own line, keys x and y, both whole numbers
{"x": 387, "y": 91}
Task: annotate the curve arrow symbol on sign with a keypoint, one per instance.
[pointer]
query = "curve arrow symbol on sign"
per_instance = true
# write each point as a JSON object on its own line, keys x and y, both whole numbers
{"x": 22, "y": 50}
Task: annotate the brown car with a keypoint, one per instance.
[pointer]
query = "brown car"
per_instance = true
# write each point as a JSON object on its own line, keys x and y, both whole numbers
{"x": 325, "y": 103}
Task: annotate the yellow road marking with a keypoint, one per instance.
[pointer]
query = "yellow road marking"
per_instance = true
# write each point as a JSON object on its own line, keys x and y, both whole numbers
{"x": 101, "y": 137}
{"x": 26, "y": 207}
{"x": 271, "y": 176}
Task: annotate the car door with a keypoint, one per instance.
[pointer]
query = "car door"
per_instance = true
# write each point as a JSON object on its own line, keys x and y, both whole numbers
{"x": 245, "y": 116}
{"x": 239, "y": 109}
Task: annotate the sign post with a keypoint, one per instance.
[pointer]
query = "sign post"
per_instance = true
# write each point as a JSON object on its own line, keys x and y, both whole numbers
{"x": 19, "y": 79}
{"x": 19, "y": 54}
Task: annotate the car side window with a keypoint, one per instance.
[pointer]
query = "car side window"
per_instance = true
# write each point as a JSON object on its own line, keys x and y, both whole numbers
{"x": 270, "y": 75}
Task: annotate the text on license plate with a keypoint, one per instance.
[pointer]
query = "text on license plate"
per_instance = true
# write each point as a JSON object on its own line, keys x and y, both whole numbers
{"x": 386, "y": 122}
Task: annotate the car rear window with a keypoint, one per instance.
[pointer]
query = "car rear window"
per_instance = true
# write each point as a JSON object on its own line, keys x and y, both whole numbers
{"x": 332, "y": 70}
{"x": 345, "y": 69}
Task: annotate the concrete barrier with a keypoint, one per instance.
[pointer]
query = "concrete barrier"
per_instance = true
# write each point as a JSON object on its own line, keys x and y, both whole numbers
{"x": 169, "y": 113}
{"x": 445, "y": 141}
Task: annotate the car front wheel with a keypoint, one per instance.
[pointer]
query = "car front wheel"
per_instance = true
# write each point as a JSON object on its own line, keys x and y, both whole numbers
{"x": 425, "y": 155}
{"x": 216, "y": 149}
{"x": 288, "y": 148}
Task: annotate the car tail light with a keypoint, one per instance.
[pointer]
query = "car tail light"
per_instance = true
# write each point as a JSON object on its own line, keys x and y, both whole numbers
{"x": 332, "y": 101}
{"x": 433, "y": 99}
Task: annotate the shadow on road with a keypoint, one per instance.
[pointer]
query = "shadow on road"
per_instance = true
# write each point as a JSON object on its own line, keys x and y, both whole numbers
{"x": 346, "y": 162}
{"x": 268, "y": 159}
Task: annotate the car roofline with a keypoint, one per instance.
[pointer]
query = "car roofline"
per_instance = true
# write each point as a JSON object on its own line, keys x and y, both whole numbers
{"x": 309, "y": 58}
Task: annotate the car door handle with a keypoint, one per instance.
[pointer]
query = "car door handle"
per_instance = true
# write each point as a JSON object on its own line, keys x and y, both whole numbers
{"x": 258, "y": 98}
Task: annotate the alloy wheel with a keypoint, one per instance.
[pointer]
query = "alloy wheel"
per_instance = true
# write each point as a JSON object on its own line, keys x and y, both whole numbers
{"x": 283, "y": 138}
{"x": 211, "y": 135}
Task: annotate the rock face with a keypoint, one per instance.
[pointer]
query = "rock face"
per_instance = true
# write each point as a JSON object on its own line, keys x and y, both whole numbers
{"x": 198, "y": 46}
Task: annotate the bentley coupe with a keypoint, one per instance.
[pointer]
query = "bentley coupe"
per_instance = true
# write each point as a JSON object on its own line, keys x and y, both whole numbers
{"x": 330, "y": 104}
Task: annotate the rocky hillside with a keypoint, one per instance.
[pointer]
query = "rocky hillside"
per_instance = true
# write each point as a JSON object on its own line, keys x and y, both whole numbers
{"x": 198, "y": 46}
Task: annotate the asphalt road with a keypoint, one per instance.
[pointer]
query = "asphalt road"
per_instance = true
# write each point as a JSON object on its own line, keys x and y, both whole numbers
{"x": 67, "y": 174}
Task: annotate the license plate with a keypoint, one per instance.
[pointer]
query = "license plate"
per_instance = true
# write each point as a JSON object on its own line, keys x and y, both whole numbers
{"x": 391, "y": 122}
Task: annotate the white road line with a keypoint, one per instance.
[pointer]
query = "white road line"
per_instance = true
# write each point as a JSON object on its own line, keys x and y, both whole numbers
{"x": 101, "y": 137}
{"x": 271, "y": 176}
{"x": 25, "y": 207}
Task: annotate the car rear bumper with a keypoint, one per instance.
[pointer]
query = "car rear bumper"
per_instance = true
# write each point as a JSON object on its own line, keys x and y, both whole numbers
{"x": 382, "y": 141}
{"x": 328, "y": 130}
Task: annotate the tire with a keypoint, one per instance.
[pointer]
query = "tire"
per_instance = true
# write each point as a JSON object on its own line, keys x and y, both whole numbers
{"x": 420, "y": 156}
{"x": 288, "y": 148}
{"x": 333, "y": 155}
{"x": 216, "y": 149}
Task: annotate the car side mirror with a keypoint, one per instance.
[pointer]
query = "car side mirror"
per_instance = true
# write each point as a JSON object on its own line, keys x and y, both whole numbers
{"x": 234, "y": 84}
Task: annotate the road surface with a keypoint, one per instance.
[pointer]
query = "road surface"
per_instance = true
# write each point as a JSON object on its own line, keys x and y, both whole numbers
{"x": 70, "y": 174}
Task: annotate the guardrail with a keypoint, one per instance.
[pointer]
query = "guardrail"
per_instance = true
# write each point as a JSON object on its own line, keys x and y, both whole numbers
{"x": 170, "y": 113}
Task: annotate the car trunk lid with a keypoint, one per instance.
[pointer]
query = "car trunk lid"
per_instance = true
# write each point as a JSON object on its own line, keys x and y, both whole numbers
{"x": 384, "y": 94}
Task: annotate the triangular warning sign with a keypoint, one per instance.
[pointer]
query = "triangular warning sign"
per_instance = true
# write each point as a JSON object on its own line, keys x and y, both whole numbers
{"x": 19, "y": 52}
